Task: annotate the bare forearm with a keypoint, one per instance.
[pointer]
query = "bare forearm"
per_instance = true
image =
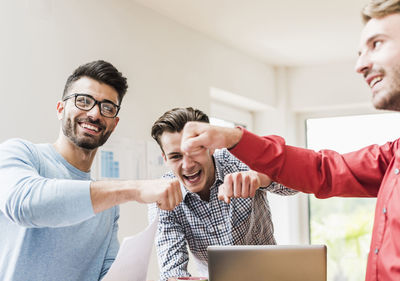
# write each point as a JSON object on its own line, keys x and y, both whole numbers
{"x": 106, "y": 194}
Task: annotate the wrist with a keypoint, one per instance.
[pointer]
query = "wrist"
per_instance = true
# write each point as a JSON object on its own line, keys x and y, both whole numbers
{"x": 233, "y": 136}
{"x": 265, "y": 180}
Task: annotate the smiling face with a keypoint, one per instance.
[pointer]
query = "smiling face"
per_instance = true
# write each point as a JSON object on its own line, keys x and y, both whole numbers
{"x": 379, "y": 60}
{"x": 87, "y": 129}
{"x": 196, "y": 173}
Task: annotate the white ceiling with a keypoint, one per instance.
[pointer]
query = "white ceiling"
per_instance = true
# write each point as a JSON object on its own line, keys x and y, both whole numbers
{"x": 284, "y": 32}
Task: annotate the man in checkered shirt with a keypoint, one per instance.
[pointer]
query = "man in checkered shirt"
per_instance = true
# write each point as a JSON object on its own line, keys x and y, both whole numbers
{"x": 208, "y": 180}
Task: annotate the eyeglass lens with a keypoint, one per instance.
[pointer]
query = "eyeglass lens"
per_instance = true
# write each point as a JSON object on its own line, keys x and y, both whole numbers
{"x": 85, "y": 102}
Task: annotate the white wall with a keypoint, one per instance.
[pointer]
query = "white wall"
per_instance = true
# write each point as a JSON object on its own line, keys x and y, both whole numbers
{"x": 324, "y": 91}
{"x": 167, "y": 65}
{"x": 233, "y": 114}
{"x": 320, "y": 87}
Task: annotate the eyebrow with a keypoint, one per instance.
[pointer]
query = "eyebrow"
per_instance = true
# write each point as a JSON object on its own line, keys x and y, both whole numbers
{"x": 109, "y": 101}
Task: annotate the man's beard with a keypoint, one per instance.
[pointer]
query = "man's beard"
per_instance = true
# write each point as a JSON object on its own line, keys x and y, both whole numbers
{"x": 88, "y": 142}
{"x": 390, "y": 99}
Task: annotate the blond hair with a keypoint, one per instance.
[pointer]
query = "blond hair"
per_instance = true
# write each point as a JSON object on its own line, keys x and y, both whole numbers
{"x": 380, "y": 9}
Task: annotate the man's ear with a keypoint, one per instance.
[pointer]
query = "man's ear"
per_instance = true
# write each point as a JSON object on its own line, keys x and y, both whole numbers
{"x": 116, "y": 120}
{"x": 60, "y": 109}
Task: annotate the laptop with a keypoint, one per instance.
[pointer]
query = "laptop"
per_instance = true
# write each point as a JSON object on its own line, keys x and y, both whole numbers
{"x": 267, "y": 263}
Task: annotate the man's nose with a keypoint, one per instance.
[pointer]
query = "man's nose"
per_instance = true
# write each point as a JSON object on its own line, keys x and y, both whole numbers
{"x": 94, "y": 112}
{"x": 363, "y": 64}
{"x": 187, "y": 162}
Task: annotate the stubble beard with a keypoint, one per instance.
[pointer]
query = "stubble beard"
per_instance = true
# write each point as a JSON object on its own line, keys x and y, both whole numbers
{"x": 87, "y": 141}
{"x": 389, "y": 99}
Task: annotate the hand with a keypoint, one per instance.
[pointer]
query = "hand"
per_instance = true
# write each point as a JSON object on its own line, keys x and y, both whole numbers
{"x": 165, "y": 192}
{"x": 198, "y": 136}
{"x": 242, "y": 185}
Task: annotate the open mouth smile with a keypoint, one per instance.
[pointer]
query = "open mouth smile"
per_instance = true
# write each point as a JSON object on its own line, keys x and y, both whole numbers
{"x": 375, "y": 80}
{"x": 193, "y": 177}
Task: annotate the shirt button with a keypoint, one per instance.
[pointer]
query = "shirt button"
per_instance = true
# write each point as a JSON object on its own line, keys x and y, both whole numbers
{"x": 396, "y": 171}
{"x": 376, "y": 251}
{"x": 384, "y": 210}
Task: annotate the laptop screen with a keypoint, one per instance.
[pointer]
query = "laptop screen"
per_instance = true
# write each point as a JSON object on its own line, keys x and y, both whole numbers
{"x": 267, "y": 263}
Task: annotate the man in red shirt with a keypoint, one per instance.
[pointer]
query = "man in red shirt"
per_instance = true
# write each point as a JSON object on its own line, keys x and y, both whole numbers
{"x": 373, "y": 171}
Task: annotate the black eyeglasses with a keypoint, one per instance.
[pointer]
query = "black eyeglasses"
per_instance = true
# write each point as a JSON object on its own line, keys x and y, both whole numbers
{"x": 87, "y": 102}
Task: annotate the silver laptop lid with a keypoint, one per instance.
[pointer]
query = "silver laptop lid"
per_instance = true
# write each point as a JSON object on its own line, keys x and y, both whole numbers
{"x": 267, "y": 263}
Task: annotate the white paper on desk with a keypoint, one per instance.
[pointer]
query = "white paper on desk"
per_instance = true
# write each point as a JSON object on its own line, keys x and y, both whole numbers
{"x": 133, "y": 256}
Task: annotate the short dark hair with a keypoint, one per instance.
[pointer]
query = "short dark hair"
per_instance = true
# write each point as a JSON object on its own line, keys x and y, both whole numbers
{"x": 101, "y": 71}
{"x": 174, "y": 120}
{"x": 380, "y": 9}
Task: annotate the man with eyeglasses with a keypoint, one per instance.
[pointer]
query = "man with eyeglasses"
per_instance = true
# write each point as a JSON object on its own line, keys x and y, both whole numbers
{"x": 55, "y": 222}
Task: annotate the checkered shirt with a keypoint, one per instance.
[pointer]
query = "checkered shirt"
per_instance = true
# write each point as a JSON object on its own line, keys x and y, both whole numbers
{"x": 199, "y": 224}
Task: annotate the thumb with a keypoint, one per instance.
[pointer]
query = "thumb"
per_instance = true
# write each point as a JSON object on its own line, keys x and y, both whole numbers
{"x": 221, "y": 194}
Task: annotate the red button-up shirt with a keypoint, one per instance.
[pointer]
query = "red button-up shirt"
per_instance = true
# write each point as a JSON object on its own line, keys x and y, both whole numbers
{"x": 373, "y": 171}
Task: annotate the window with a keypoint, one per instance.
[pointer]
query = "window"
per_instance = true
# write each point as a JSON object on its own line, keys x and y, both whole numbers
{"x": 345, "y": 224}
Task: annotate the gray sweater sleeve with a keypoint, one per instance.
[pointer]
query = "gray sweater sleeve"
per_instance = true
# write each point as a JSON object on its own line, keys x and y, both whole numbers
{"x": 31, "y": 199}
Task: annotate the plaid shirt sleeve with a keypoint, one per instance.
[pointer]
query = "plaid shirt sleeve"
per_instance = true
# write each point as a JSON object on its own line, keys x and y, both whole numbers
{"x": 280, "y": 189}
{"x": 171, "y": 247}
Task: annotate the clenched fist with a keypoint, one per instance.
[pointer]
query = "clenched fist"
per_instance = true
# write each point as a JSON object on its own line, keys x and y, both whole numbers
{"x": 242, "y": 185}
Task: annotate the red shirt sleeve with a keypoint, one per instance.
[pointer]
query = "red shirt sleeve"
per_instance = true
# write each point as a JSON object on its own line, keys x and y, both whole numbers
{"x": 325, "y": 173}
